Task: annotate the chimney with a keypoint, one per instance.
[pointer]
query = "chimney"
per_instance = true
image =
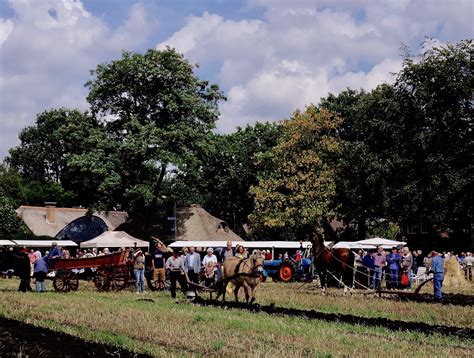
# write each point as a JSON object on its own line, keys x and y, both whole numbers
{"x": 50, "y": 212}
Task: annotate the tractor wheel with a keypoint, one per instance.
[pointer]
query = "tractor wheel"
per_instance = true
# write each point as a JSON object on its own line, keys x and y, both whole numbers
{"x": 286, "y": 272}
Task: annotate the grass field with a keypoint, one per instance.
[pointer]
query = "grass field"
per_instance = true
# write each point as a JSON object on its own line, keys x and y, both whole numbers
{"x": 160, "y": 327}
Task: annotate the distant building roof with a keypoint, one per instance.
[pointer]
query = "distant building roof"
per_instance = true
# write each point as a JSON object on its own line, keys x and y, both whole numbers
{"x": 196, "y": 224}
{"x": 36, "y": 218}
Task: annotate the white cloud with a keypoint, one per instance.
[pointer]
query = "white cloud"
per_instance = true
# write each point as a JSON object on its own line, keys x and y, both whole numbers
{"x": 48, "y": 48}
{"x": 6, "y": 28}
{"x": 302, "y": 50}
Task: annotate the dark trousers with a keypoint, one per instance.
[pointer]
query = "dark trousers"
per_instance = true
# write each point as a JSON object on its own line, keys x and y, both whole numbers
{"x": 193, "y": 276}
{"x": 24, "y": 284}
{"x": 177, "y": 276}
{"x": 393, "y": 278}
{"x": 437, "y": 285}
{"x": 468, "y": 273}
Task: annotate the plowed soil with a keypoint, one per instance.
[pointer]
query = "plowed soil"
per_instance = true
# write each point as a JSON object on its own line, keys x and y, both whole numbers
{"x": 19, "y": 339}
{"x": 396, "y": 325}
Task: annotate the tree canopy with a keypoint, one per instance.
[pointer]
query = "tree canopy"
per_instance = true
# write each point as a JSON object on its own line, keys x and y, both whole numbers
{"x": 297, "y": 189}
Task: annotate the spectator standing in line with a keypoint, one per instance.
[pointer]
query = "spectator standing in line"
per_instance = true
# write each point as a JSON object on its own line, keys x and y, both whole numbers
{"x": 32, "y": 258}
{"x": 268, "y": 255}
{"x": 379, "y": 263}
{"x": 468, "y": 263}
{"x": 41, "y": 270}
{"x": 139, "y": 272}
{"x": 193, "y": 264}
{"x": 158, "y": 265}
{"x": 437, "y": 268}
{"x": 211, "y": 258}
{"x": 228, "y": 252}
{"x": 175, "y": 266}
{"x": 368, "y": 262}
{"x": 414, "y": 265}
{"x": 393, "y": 260}
{"x": 420, "y": 260}
{"x": 406, "y": 262}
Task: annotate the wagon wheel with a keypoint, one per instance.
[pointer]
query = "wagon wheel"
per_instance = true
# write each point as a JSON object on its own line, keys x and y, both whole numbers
{"x": 102, "y": 278}
{"x": 65, "y": 281}
{"x": 286, "y": 272}
{"x": 119, "y": 276}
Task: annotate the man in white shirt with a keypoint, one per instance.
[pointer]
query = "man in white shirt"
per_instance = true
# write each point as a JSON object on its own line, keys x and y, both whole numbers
{"x": 192, "y": 264}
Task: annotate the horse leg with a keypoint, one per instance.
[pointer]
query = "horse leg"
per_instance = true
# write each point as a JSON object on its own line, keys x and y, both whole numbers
{"x": 253, "y": 291}
{"x": 322, "y": 279}
{"x": 236, "y": 293}
{"x": 246, "y": 290}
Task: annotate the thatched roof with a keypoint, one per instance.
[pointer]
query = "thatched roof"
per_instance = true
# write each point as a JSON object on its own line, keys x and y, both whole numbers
{"x": 35, "y": 218}
{"x": 195, "y": 223}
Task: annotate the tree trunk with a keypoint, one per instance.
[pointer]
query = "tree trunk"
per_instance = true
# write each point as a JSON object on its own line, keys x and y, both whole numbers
{"x": 361, "y": 228}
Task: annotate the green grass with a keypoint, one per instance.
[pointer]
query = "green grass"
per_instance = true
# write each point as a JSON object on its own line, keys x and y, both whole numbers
{"x": 164, "y": 328}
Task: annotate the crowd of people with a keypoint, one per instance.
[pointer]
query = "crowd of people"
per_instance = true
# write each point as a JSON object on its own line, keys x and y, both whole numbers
{"x": 186, "y": 265}
{"x": 400, "y": 267}
{"x": 397, "y": 267}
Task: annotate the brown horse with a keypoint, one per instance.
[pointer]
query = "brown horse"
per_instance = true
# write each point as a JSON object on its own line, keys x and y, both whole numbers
{"x": 338, "y": 262}
{"x": 251, "y": 269}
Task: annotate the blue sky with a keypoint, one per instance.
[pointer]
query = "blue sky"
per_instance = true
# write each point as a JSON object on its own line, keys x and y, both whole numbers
{"x": 269, "y": 56}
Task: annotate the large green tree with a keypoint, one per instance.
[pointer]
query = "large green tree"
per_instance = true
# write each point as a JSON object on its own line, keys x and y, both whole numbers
{"x": 296, "y": 191}
{"x": 373, "y": 164}
{"x": 157, "y": 115}
{"x": 436, "y": 89}
{"x": 229, "y": 167}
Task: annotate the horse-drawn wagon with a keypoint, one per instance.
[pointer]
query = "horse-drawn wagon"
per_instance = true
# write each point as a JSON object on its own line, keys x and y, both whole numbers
{"x": 110, "y": 271}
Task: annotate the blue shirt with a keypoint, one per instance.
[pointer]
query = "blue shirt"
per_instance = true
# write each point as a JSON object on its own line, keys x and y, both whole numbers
{"x": 393, "y": 260}
{"x": 437, "y": 264}
{"x": 40, "y": 266}
{"x": 55, "y": 252}
{"x": 368, "y": 261}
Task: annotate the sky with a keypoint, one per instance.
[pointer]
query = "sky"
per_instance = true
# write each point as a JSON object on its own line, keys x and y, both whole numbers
{"x": 270, "y": 57}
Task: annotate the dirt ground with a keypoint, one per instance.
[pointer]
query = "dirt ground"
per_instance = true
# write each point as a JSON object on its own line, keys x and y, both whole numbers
{"x": 19, "y": 339}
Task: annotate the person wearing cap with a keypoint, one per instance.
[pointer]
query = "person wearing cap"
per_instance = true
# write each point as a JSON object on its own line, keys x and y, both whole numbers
{"x": 55, "y": 251}
{"x": 437, "y": 268}
{"x": 393, "y": 260}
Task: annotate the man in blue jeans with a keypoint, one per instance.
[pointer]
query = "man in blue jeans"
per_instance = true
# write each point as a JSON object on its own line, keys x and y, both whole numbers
{"x": 393, "y": 260}
{"x": 379, "y": 263}
{"x": 437, "y": 268}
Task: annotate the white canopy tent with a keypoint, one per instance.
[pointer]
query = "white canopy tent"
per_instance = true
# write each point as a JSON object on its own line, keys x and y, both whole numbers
{"x": 347, "y": 245}
{"x": 247, "y": 244}
{"x": 43, "y": 243}
{"x": 115, "y": 239}
{"x": 7, "y": 243}
{"x": 378, "y": 241}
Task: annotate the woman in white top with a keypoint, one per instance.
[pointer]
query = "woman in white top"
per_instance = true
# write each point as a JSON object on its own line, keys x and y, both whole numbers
{"x": 209, "y": 257}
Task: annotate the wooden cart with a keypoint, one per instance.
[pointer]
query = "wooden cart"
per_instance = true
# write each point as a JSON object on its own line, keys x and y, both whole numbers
{"x": 111, "y": 272}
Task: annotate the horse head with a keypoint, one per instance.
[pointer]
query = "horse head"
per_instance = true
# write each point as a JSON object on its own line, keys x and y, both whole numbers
{"x": 257, "y": 261}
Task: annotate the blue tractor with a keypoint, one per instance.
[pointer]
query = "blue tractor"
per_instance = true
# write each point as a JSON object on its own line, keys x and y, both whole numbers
{"x": 287, "y": 270}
